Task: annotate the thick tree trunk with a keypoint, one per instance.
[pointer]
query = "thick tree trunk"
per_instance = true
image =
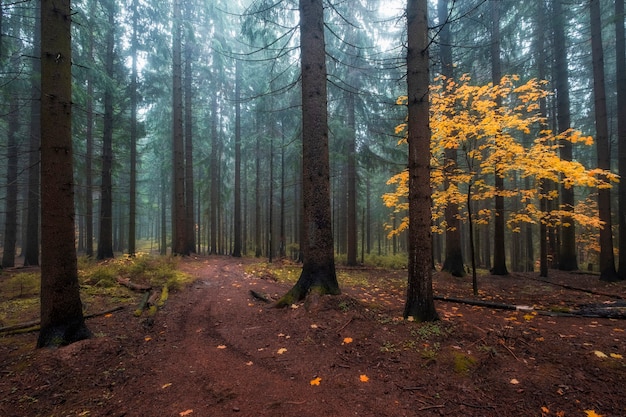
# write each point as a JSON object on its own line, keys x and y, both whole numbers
{"x": 621, "y": 129}
{"x": 318, "y": 271}
{"x": 419, "y": 300}
{"x": 214, "y": 177}
{"x": 607, "y": 258}
{"x": 62, "y": 320}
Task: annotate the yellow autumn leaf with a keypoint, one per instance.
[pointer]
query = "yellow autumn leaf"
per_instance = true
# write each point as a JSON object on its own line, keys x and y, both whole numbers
{"x": 185, "y": 413}
{"x": 347, "y": 340}
{"x": 616, "y": 356}
{"x": 592, "y": 413}
{"x": 147, "y": 338}
{"x": 514, "y": 381}
{"x": 221, "y": 346}
{"x": 528, "y": 317}
{"x": 599, "y": 354}
{"x": 108, "y": 315}
{"x": 169, "y": 384}
{"x": 281, "y": 351}
{"x": 316, "y": 381}
{"x": 363, "y": 378}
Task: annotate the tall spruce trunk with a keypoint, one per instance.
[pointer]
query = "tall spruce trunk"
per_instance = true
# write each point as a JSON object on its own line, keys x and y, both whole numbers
{"x": 105, "y": 236}
{"x": 62, "y": 320}
{"x": 179, "y": 212}
{"x": 419, "y": 300}
{"x": 620, "y": 69}
{"x": 132, "y": 210}
{"x": 607, "y": 258}
{"x": 453, "y": 261}
{"x": 499, "y": 253}
{"x": 318, "y": 270}
{"x": 31, "y": 245}
{"x": 567, "y": 256}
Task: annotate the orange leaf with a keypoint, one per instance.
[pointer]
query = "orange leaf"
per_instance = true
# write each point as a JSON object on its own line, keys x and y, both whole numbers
{"x": 347, "y": 340}
{"x": 316, "y": 381}
{"x": 364, "y": 378}
{"x": 185, "y": 413}
{"x": 592, "y": 413}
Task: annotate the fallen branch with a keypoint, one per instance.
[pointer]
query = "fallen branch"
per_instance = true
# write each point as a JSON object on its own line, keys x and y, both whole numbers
{"x": 481, "y": 303}
{"x": 35, "y": 324}
{"x": 260, "y": 296}
{"x": 572, "y": 288}
{"x": 133, "y": 286}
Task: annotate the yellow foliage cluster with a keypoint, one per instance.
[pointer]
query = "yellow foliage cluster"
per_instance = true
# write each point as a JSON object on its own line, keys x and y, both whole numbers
{"x": 496, "y": 130}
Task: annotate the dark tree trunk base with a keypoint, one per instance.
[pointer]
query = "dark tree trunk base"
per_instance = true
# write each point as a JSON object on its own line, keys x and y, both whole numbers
{"x": 63, "y": 334}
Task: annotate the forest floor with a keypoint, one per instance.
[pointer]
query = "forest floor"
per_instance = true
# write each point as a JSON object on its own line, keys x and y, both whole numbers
{"x": 214, "y": 350}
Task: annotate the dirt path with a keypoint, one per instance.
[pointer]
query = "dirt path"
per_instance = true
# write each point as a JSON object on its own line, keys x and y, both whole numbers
{"x": 216, "y": 351}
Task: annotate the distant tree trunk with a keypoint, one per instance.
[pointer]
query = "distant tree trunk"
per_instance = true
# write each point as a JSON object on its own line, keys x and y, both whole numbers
{"x": 621, "y": 130}
{"x": 419, "y": 300}
{"x": 132, "y": 212}
{"x": 89, "y": 115}
{"x": 453, "y": 262}
{"x": 258, "y": 245}
{"x": 189, "y": 183}
{"x": 62, "y": 320}
{"x": 31, "y": 247}
{"x": 607, "y": 258}
{"x": 105, "y": 237}
{"x": 540, "y": 31}
{"x": 283, "y": 250}
{"x": 351, "y": 209}
{"x": 318, "y": 270}
{"x": 214, "y": 176}
{"x": 10, "y": 207}
{"x": 179, "y": 212}
{"x": 237, "y": 196}
{"x": 499, "y": 253}
{"x": 567, "y": 255}
{"x": 163, "y": 244}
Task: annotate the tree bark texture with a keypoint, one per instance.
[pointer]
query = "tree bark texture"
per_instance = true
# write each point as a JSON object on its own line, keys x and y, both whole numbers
{"x": 499, "y": 253}
{"x": 607, "y": 258}
{"x": 620, "y": 47}
{"x": 419, "y": 300}
{"x": 105, "y": 237}
{"x": 567, "y": 257}
{"x": 62, "y": 320}
{"x": 179, "y": 224}
{"x": 318, "y": 270}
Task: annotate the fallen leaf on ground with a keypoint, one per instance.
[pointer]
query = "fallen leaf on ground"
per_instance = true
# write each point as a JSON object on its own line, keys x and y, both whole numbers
{"x": 599, "y": 354}
{"x": 316, "y": 381}
{"x": 147, "y": 338}
{"x": 592, "y": 413}
{"x": 108, "y": 315}
{"x": 514, "y": 381}
{"x": 185, "y": 413}
{"x": 616, "y": 356}
{"x": 281, "y": 351}
{"x": 364, "y": 378}
{"x": 166, "y": 385}
{"x": 221, "y": 346}
{"x": 347, "y": 340}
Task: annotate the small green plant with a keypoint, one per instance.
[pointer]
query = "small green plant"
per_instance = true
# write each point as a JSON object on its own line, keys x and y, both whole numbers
{"x": 388, "y": 347}
{"x": 23, "y": 284}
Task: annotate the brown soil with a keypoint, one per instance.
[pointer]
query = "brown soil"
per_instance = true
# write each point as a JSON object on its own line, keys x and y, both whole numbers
{"x": 214, "y": 350}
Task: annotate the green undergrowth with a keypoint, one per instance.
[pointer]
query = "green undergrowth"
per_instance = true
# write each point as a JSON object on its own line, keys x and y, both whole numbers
{"x": 100, "y": 290}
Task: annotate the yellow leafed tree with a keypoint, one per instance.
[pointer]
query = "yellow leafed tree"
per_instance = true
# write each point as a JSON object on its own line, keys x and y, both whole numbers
{"x": 511, "y": 139}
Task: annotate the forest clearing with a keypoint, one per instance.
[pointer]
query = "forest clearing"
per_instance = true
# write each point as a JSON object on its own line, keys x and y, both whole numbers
{"x": 215, "y": 350}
